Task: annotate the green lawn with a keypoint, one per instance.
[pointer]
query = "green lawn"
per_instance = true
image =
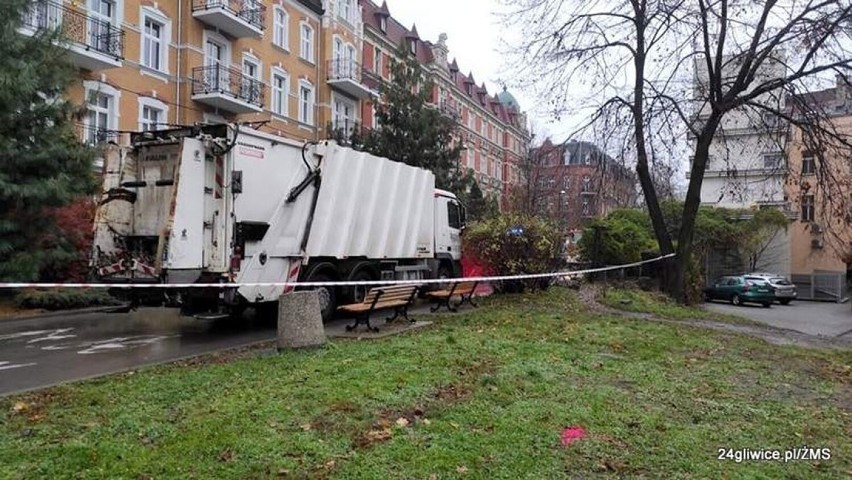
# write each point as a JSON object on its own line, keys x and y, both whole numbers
{"x": 480, "y": 395}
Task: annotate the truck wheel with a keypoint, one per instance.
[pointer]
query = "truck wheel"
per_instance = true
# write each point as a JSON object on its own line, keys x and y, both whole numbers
{"x": 358, "y": 293}
{"x": 327, "y": 296}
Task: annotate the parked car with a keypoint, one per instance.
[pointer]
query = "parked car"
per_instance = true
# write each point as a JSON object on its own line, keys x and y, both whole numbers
{"x": 739, "y": 289}
{"x": 785, "y": 290}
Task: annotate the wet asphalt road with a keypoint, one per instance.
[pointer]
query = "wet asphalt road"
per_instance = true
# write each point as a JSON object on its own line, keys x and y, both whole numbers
{"x": 40, "y": 352}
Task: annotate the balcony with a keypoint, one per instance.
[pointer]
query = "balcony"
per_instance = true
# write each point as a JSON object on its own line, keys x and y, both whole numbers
{"x": 93, "y": 43}
{"x": 227, "y": 89}
{"x": 350, "y": 77}
{"x": 450, "y": 109}
{"x": 238, "y": 18}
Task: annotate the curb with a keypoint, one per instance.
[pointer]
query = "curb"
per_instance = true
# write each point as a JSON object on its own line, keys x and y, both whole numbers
{"x": 64, "y": 313}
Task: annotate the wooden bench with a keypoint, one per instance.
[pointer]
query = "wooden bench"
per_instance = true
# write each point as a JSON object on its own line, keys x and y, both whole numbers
{"x": 459, "y": 289}
{"x": 397, "y": 297}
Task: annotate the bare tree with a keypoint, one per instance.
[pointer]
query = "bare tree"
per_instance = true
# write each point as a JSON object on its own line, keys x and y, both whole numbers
{"x": 668, "y": 66}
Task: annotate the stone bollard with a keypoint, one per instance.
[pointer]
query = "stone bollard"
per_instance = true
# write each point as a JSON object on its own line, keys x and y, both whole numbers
{"x": 300, "y": 320}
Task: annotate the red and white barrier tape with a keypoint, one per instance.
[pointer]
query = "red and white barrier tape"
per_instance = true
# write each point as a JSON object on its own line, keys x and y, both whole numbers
{"x": 370, "y": 283}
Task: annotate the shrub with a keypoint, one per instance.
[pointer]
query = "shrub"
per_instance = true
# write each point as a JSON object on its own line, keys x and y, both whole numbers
{"x": 625, "y": 235}
{"x": 515, "y": 244}
{"x": 64, "y": 299}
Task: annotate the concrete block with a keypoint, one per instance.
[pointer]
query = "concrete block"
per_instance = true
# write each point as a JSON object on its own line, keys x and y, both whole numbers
{"x": 300, "y": 320}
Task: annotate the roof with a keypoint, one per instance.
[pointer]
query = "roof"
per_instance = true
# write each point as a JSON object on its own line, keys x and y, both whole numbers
{"x": 504, "y": 106}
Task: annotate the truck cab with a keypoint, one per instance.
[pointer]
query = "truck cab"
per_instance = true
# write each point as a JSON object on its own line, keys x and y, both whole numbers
{"x": 449, "y": 224}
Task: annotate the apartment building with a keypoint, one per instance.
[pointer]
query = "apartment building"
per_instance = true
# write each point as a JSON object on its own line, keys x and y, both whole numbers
{"x": 821, "y": 235}
{"x": 576, "y": 181}
{"x": 747, "y": 164}
{"x": 492, "y": 127}
{"x": 147, "y": 65}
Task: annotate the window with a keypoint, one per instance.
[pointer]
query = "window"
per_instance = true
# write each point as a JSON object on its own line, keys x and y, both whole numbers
{"x": 251, "y": 68}
{"x": 280, "y": 85}
{"x": 101, "y": 115}
{"x": 808, "y": 164}
{"x": 587, "y": 183}
{"x": 151, "y": 118}
{"x": 280, "y": 30}
{"x": 155, "y": 39}
{"x": 307, "y": 47}
{"x": 808, "y": 208}
{"x": 412, "y": 46}
{"x": 306, "y": 103}
{"x": 453, "y": 215}
{"x": 383, "y": 23}
{"x": 772, "y": 161}
{"x": 377, "y": 62}
{"x": 344, "y": 9}
{"x": 587, "y": 207}
{"x": 344, "y": 114}
{"x": 566, "y": 182}
{"x": 153, "y": 114}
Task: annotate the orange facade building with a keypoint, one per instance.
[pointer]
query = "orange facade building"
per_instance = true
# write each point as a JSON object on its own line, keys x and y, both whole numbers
{"x": 297, "y": 67}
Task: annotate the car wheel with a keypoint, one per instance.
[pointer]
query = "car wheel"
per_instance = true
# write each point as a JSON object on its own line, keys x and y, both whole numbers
{"x": 736, "y": 300}
{"x": 785, "y": 301}
{"x": 767, "y": 304}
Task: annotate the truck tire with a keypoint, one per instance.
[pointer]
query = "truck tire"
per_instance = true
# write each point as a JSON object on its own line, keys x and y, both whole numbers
{"x": 356, "y": 294}
{"x": 327, "y": 295}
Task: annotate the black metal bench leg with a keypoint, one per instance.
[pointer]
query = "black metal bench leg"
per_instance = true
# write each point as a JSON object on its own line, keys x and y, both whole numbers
{"x": 438, "y": 304}
{"x": 358, "y": 321}
{"x": 395, "y": 315}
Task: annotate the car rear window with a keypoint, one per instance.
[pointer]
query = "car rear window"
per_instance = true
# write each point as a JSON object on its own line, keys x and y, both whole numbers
{"x": 780, "y": 281}
{"x": 755, "y": 280}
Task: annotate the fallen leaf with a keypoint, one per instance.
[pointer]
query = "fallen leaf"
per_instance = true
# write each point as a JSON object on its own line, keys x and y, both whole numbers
{"x": 226, "y": 455}
{"x": 402, "y": 422}
{"x": 432, "y": 476}
{"x": 20, "y": 407}
{"x": 461, "y": 469}
{"x": 426, "y": 421}
{"x": 283, "y": 472}
{"x": 379, "y": 435}
{"x": 454, "y": 425}
{"x": 330, "y": 464}
{"x": 306, "y": 427}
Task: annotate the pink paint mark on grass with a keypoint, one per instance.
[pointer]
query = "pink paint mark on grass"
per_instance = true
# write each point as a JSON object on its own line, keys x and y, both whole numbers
{"x": 572, "y": 434}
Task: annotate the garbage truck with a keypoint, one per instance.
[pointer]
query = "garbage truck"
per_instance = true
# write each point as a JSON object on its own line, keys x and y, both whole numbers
{"x": 231, "y": 204}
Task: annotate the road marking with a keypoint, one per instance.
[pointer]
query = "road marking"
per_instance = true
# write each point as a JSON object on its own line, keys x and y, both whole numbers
{"x": 31, "y": 333}
{"x": 54, "y": 336}
{"x": 9, "y": 366}
{"x": 122, "y": 343}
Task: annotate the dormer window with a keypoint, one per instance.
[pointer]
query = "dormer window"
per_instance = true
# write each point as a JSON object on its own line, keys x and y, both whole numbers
{"x": 383, "y": 24}
{"x": 412, "y": 45}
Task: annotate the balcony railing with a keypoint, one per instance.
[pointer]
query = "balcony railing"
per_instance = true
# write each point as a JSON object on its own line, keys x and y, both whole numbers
{"x": 219, "y": 79}
{"x": 450, "y": 109}
{"x": 351, "y": 77}
{"x": 252, "y": 12}
{"x": 76, "y": 26}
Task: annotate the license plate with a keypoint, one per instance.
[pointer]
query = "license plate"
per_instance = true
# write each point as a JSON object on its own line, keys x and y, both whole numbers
{"x": 762, "y": 290}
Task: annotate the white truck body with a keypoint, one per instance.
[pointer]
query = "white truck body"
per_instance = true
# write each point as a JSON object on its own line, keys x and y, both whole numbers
{"x": 215, "y": 204}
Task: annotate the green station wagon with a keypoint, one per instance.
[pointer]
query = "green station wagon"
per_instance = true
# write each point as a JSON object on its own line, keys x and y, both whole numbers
{"x": 739, "y": 289}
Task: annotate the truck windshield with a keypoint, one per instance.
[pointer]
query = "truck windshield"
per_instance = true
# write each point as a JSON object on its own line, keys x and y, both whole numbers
{"x": 453, "y": 215}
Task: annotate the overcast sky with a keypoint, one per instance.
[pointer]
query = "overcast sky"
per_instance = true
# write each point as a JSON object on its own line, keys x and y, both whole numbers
{"x": 475, "y": 39}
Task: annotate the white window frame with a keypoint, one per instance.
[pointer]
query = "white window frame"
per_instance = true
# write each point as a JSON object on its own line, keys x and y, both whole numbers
{"x": 156, "y": 16}
{"x": 306, "y": 112}
{"x": 281, "y": 31}
{"x": 91, "y": 88}
{"x": 377, "y": 61}
{"x": 810, "y": 160}
{"x": 337, "y": 100}
{"x": 383, "y": 24}
{"x": 152, "y": 103}
{"x": 275, "y": 92}
{"x": 306, "y": 45}
{"x": 258, "y": 66}
{"x": 345, "y": 10}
